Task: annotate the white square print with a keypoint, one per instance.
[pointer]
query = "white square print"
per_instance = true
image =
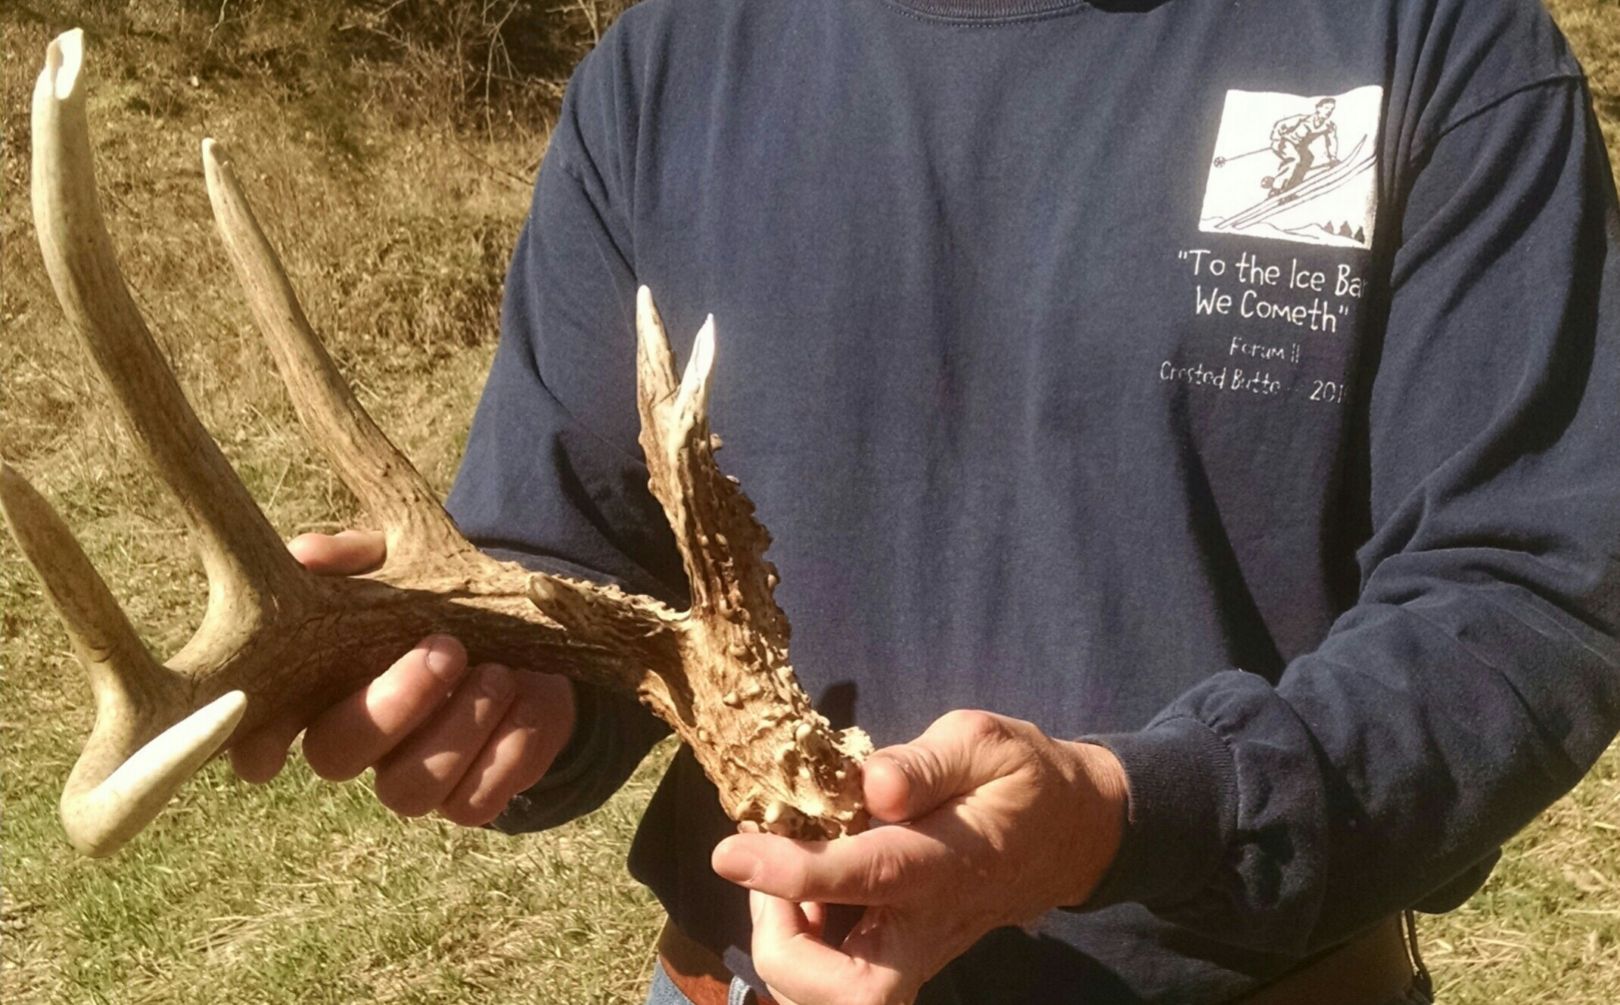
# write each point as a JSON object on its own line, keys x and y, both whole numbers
{"x": 1292, "y": 167}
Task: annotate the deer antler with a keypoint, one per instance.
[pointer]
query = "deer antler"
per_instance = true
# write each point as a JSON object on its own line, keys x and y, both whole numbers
{"x": 275, "y": 636}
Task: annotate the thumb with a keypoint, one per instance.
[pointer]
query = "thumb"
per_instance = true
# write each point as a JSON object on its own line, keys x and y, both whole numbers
{"x": 955, "y": 755}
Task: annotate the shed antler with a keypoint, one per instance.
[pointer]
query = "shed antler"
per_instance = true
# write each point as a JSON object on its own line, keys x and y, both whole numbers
{"x": 275, "y": 636}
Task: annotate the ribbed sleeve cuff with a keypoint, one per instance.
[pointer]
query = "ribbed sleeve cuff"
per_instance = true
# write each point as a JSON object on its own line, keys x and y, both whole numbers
{"x": 560, "y": 795}
{"x": 1181, "y": 813}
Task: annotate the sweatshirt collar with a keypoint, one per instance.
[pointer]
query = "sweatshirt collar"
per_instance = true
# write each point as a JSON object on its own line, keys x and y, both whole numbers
{"x": 987, "y": 10}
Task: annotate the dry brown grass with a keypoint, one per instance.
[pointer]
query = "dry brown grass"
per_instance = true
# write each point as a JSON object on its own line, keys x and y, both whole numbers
{"x": 395, "y": 219}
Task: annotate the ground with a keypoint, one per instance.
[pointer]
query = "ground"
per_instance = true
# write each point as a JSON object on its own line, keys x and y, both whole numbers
{"x": 391, "y": 158}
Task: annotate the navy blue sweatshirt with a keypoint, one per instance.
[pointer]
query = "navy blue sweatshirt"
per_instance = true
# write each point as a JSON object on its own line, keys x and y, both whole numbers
{"x": 1235, "y": 384}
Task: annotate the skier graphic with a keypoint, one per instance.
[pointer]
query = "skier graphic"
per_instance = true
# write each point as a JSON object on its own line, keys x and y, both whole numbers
{"x": 1314, "y": 159}
{"x": 1292, "y": 138}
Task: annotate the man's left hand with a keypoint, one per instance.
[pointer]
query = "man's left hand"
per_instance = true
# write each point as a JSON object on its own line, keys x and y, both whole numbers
{"x": 994, "y": 823}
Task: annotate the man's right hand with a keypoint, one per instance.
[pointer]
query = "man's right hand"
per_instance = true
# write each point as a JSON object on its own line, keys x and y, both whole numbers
{"x": 442, "y": 736}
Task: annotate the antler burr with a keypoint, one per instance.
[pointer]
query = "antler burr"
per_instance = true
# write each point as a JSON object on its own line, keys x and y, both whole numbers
{"x": 274, "y": 636}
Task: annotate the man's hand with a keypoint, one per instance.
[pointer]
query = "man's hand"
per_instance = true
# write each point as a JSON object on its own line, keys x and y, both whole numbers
{"x": 995, "y": 824}
{"x": 443, "y": 737}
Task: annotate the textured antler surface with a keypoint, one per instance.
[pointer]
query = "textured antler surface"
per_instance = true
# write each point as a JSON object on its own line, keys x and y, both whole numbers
{"x": 275, "y": 637}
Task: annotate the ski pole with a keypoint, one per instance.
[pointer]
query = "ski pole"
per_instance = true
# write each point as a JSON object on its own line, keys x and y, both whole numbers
{"x": 1223, "y": 161}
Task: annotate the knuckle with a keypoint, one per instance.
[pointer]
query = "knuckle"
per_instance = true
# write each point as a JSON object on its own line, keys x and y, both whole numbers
{"x": 885, "y": 870}
{"x": 545, "y": 690}
{"x": 973, "y": 724}
{"x": 402, "y": 794}
{"x": 527, "y": 754}
{"x": 1022, "y": 730}
{"x": 925, "y": 773}
{"x": 927, "y": 767}
{"x": 255, "y": 771}
{"x": 257, "y": 759}
{"x": 330, "y": 760}
{"x": 493, "y": 682}
{"x": 794, "y": 881}
{"x": 542, "y": 706}
{"x": 527, "y": 712}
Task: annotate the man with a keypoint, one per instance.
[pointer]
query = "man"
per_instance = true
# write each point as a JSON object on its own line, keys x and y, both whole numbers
{"x": 1283, "y": 561}
{"x": 1292, "y": 138}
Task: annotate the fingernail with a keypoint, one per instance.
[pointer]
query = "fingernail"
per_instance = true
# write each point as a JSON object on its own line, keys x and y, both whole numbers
{"x": 441, "y": 657}
{"x": 754, "y": 899}
{"x": 734, "y": 864}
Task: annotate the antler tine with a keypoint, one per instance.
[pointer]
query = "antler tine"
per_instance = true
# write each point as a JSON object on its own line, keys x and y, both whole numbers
{"x": 721, "y": 542}
{"x": 375, "y": 470}
{"x": 736, "y": 635}
{"x": 109, "y": 797}
{"x": 655, "y": 364}
{"x": 244, "y": 557}
{"x": 118, "y": 664}
{"x": 718, "y": 673}
{"x": 670, "y": 415}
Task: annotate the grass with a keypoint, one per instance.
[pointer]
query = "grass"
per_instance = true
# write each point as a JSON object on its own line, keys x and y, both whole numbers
{"x": 396, "y": 219}
{"x": 389, "y": 157}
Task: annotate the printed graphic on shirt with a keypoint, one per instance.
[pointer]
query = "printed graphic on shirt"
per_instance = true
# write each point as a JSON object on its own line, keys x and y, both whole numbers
{"x": 1291, "y": 167}
{"x": 1268, "y": 321}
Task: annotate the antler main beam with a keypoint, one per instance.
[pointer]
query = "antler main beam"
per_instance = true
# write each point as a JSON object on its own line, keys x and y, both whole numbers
{"x": 275, "y": 637}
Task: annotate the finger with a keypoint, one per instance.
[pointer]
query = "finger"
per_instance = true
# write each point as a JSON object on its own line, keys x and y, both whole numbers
{"x": 774, "y": 921}
{"x": 798, "y": 967}
{"x": 881, "y": 866}
{"x": 260, "y": 755}
{"x": 815, "y": 918}
{"x": 910, "y": 948}
{"x": 417, "y": 775}
{"x": 520, "y": 751}
{"x": 354, "y": 734}
{"x": 959, "y": 752}
{"x": 347, "y": 553}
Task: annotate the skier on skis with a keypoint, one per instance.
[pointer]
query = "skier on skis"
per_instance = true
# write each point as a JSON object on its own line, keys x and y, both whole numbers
{"x": 1292, "y": 138}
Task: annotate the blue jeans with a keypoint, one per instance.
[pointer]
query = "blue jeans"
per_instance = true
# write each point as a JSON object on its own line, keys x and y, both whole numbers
{"x": 663, "y": 992}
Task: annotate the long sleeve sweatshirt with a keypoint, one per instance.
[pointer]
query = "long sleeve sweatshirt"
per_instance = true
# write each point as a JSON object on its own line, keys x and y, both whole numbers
{"x": 1234, "y": 384}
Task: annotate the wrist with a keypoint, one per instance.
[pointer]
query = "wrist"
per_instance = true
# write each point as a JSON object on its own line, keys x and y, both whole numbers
{"x": 1101, "y": 794}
